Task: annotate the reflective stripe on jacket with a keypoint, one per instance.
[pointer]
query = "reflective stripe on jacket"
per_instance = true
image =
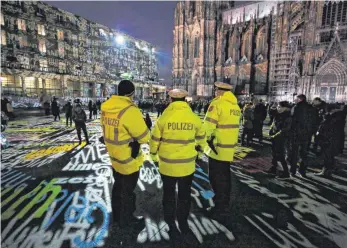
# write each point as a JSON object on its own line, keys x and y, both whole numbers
{"x": 122, "y": 123}
{"x": 222, "y": 121}
{"x": 174, "y": 138}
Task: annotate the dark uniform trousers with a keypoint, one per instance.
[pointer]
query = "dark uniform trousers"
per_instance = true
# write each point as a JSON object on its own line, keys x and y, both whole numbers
{"x": 81, "y": 125}
{"x": 183, "y": 201}
{"x": 299, "y": 153}
{"x": 220, "y": 179}
{"x": 123, "y": 197}
{"x": 279, "y": 148}
{"x": 68, "y": 117}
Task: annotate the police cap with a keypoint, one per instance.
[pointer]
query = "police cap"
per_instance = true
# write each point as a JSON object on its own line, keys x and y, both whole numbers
{"x": 178, "y": 93}
{"x": 223, "y": 86}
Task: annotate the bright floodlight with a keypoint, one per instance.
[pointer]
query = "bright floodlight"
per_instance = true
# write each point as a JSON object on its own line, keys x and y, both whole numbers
{"x": 153, "y": 50}
{"x": 120, "y": 39}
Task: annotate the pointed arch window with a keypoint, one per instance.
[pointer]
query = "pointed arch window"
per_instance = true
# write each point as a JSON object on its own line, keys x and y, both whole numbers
{"x": 261, "y": 43}
{"x": 196, "y": 47}
{"x": 186, "y": 48}
{"x": 246, "y": 46}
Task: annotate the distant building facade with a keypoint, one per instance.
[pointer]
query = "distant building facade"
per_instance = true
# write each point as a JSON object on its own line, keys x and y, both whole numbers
{"x": 270, "y": 49}
{"x": 46, "y": 49}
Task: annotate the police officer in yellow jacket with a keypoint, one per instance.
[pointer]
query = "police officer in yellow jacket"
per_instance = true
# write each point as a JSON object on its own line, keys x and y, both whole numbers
{"x": 222, "y": 129}
{"x": 174, "y": 138}
{"x": 124, "y": 130}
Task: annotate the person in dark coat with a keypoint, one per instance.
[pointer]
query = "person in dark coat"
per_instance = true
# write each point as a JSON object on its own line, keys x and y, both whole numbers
{"x": 55, "y": 109}
{"x": 80, "y": 118}
{"x": 158, "y": 107}
{"x": 207, "y": 104}
{"x": 68, "y": 113}
{"x": 279, "y": 133}
{"x": 320, "y": 107}
{"x": 341, "y": 114}
{"x": 4, "y": 105}
{"x": 98, "y": 104}
{"x": 95, "y": 110}
{"x": 303, "y": 116}
{"x": 258, "y": 122}
{"x": 90, "y": 108}
{"x": 272, "y": 112}
{"x": 247, "y": 123}
{"x": 328, "y": 139}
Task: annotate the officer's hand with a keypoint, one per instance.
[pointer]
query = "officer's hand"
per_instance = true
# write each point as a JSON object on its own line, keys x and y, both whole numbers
{"x": 102, "y": 140}
{"x": 154, "y": 157}
{"x": 198, "y": 148}
{"x": 135, "y": 149}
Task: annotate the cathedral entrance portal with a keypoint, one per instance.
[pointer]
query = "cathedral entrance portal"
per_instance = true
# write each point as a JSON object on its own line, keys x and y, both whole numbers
{"x": 331, "y": 81}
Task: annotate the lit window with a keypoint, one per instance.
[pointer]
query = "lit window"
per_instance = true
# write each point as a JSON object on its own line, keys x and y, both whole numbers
{"x": 21, "y": 24}
{"x": 102, "y": 32}
{"x": 60, "y": 18}
{"x": 41, "y": 29}
{"x": 3, "y": 37}
{"x": 61, "y": 50}
{"x": 40, "y": 12}
{"x": 43, "y": 65}
{"x": 62, "y": 67}
{"x": 60, "y": 35}
{"x": 23, "y": 41}
{"x": 2, "y": 19}
{"x": 42, "y": 46}
{"x": 75, "y": 52}
{"x": 29, "y": 82}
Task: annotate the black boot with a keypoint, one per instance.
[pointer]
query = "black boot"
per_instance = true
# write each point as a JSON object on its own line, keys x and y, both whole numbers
{"x": 272, "y": 170}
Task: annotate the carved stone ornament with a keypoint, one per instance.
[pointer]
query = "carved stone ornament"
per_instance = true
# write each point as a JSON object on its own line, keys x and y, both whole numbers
{"x": 229, "y": 61}
{"x": 244, "y": 59}
{"x": 260, "y": 58}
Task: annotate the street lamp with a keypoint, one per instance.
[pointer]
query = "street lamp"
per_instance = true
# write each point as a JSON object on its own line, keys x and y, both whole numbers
{"x": 120, "y": 39}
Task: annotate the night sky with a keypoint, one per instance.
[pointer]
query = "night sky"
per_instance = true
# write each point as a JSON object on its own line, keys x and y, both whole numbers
{"x": 149, "y": 21}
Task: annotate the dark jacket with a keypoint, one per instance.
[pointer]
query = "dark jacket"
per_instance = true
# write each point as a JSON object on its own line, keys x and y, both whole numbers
{"x": 78, "y": 114}
{"x": 320, "y": 112}
{"x": 55, "y": 108}
{"x": 303, "y": 121}
{"x": 248, "y": 117}
{"x": 68, "y": 109}
{"x": 282, "y": 125}
{"x": 90, "y": 105}
{"x": 94, "y": 109}
{"x": 328, "y": 134}
{"x": 260, "y": 112}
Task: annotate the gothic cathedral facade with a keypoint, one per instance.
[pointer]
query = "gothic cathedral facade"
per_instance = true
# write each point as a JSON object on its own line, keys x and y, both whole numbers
{"x": 273, "y": 49}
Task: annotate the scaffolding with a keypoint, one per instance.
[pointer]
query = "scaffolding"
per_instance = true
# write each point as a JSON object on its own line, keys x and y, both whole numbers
{"x": 283, "y": 67}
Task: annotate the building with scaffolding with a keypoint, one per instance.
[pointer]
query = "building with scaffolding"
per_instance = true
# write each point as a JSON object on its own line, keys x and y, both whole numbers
{"x": 273, "y": 50}
{"x": 46, "y": 49}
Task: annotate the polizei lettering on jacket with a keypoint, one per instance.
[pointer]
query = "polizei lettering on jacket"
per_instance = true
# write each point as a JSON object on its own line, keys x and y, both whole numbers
{"x": 180, "y": 126}
{"x": 110, "y": 121}
{"x": 235, "y": 112}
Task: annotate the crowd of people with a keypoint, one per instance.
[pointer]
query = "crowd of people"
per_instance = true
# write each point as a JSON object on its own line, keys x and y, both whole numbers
{"x": 293, "y": 127}
{"x": 179, "y": 137}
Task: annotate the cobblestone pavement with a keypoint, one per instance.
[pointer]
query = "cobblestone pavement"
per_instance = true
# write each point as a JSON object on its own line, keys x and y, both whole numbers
{"x": 55, "y": 193}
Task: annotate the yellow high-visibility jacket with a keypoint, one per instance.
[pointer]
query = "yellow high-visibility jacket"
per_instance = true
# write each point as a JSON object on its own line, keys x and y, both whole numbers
{"x": 222, "y": 121}
{"x": 122, "y": 122}
{"x": 174, "y": 138}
